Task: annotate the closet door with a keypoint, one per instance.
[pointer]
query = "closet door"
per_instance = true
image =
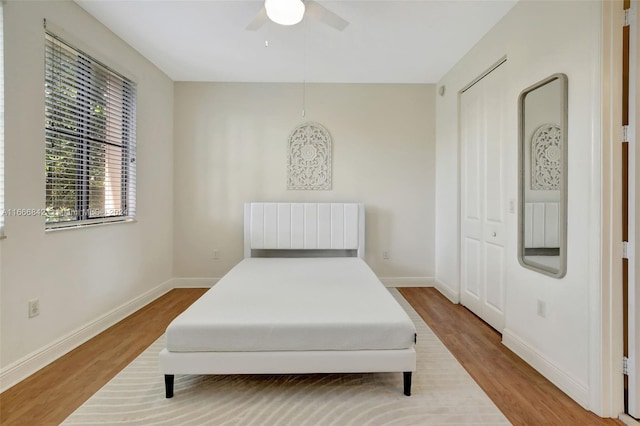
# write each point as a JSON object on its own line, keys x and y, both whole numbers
{"x": 482, "y": 196}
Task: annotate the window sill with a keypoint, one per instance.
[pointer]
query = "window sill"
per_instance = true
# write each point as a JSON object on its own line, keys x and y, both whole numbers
{"x": 86, "y": 225}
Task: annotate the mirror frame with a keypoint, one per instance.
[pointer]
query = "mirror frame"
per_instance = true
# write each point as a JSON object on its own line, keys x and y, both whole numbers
{"x": 564, "y": 121}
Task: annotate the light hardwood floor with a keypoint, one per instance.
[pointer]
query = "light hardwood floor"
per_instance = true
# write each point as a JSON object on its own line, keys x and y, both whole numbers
{"x": 523, "y": 395}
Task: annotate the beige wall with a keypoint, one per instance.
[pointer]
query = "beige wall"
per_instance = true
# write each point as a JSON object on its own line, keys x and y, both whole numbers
{"x": 231, "y": 148}
{"x": 79, "y": 276}
{"x": 540, "y": 39}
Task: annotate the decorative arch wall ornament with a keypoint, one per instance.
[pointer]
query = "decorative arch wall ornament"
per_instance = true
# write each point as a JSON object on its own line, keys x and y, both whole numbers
{"x": 309, "y": 161}
{"x": 546, "y": 157}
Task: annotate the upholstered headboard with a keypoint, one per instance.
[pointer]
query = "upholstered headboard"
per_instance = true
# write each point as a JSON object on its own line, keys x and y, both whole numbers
{"x": 542, "y": 225}
{"x": 304, "y": 226}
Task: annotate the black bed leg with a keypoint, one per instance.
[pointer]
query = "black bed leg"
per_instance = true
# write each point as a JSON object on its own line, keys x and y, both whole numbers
{"x": 168, "y": 385}
{"x": 407, "y": 383}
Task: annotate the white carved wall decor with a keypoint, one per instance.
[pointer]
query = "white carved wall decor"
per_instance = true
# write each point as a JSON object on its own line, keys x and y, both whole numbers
{"x": 546, "y": 157}
{"x": 309, "y": 162}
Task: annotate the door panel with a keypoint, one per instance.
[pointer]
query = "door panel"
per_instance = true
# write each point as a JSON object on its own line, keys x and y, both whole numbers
{"x": 494, "y": 285}
{"x": 472, "y": 267}
{"x": 472, "y": 160}
{"x": 494, "y": 107}
{"x": 482, "y": 201}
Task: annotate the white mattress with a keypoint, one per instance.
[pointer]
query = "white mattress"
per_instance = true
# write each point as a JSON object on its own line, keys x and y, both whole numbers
{"x": 299, "y": 304}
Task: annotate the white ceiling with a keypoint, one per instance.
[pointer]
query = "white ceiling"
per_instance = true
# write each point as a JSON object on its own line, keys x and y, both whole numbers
{"x": 393, "y": 41}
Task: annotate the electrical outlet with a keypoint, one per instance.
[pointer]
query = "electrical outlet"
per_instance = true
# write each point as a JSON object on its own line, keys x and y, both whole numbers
{"x": 542, "y": 308}
{"x": 385, "y": 254}
{"x": 216, "y": 254}
{"x": 34, "y": 308}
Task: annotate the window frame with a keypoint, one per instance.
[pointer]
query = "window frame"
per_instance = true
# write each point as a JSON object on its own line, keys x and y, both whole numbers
{"x": 90, "y": 81}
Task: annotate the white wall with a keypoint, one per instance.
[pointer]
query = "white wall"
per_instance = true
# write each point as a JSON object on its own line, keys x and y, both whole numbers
{"x": 78, "y": 275}
{"x": 539, "y": 39}
{"x": 231, "y": 147}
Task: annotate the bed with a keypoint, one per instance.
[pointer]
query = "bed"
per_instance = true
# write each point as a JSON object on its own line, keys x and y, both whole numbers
{"x": 320, "y": 311}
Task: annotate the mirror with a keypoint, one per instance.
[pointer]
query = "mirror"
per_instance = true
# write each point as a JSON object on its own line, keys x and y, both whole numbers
{"x": 542, "y": 157}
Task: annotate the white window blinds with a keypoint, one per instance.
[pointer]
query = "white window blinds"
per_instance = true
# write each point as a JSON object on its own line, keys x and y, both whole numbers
{"x": 90, "y": 119}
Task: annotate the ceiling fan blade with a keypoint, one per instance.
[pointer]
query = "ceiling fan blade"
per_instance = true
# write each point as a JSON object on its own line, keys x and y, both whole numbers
{"x": 322, "y": 14}
{"x": 260, "y": 19}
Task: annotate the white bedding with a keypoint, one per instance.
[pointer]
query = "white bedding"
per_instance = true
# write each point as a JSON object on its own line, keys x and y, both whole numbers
{"x": 313, "y": 304}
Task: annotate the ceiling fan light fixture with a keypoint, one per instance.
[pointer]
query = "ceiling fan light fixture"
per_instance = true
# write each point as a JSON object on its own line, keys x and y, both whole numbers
{"x": 285, "y": 12}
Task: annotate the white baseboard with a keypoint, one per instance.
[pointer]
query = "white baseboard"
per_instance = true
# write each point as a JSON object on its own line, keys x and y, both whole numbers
{"x": 447, "y": 291}
{"x": 194, "y": 282}
{"x": 407, "y": 281}
{"x": 555, "y": 375}
{"x": 26, "y": 366}
{"x": 628, "y": 420}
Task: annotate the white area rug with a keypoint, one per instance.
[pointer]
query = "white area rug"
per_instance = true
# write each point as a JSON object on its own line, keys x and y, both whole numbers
{"x": 442, "y": 394}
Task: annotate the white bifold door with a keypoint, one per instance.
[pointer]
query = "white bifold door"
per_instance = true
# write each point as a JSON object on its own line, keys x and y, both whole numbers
{"x": 482, "y": 197}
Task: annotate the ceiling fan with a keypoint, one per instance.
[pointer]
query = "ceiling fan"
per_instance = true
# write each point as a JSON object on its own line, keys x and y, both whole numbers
{"x": 290, "y": 12}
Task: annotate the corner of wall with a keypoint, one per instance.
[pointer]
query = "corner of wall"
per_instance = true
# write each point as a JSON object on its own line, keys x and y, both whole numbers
{"x": 194, "y": 282}
{"x": 450, "y": 292}
{"x": 540, "y": 363}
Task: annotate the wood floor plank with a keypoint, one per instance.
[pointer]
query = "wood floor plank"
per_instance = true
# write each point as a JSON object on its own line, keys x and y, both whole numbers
{"x": 523, "y": 395}
{"x": 520, "y": 392}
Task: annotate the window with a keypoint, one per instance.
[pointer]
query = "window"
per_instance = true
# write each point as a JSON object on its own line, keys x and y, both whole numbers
{"x": 90, "y": 120}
